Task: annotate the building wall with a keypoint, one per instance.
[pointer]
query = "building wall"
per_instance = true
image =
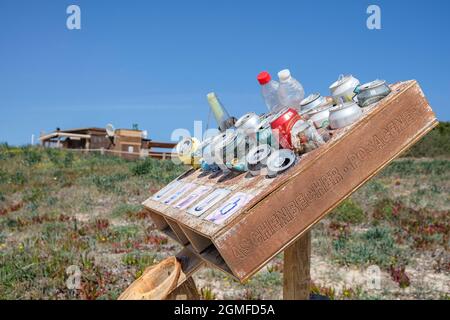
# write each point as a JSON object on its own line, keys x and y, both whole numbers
{"x": 100, "y": 141}
{"x": 128, "y": 141}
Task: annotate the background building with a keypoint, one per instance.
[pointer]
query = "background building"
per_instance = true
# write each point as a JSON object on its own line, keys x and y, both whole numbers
{"x": 127, "y": 143}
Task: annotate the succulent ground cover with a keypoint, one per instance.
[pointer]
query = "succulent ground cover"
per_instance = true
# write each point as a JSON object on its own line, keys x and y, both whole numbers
{"x": 68, "y": 217}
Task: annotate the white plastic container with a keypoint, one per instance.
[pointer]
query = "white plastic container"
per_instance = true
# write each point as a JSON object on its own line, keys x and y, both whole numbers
{"x": 290, "y": 92}
{"x": 269, "y": 91}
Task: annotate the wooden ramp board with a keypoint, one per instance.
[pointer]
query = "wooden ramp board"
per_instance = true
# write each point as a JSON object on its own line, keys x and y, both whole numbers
{"x": 263, "y": 216}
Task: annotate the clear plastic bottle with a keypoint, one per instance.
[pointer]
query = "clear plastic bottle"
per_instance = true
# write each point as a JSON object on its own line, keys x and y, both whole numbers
{"x": 290, "y": 92}
{"x": 269, "y": 90}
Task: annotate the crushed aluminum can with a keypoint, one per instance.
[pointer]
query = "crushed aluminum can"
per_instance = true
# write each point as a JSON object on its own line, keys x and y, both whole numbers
{"x": 248, "y": 122}
{"x": 344, "y": 88}
{"x": 238, "y": 165}
{"x": 312, "y": 102}
{"x": 227, "y": 146}
{"x": 279, "y": 161}
{"x": 283, "y": 124}
{"x": 209, "y": 167}
{"x": 257, "y": 159}
{"x": 344, "y": 115}
{"x": 205, "y": 153}
{"x": 320, "y": 116}
{"x": 186, "y": 151}
{"x": 372, "y": 92}
{"x": 305, "y": 137}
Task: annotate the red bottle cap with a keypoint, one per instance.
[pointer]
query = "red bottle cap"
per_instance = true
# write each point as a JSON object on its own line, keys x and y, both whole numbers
{"x": 263, "y": 78}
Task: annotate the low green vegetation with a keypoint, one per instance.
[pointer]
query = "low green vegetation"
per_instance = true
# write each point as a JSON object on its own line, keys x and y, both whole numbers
{"x": 436, "y": 144}
{"x": 376, "y": 246}
{"x": 348, "y": 211}
{"x": 61, "y": 209}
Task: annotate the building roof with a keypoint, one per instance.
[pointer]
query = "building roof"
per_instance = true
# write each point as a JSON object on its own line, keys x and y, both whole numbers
{"x": 79, "y": 130}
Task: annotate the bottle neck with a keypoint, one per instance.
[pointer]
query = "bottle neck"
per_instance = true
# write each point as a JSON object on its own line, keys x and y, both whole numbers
{"x": 286, "y": 81}
{"x": 271, "y": 83}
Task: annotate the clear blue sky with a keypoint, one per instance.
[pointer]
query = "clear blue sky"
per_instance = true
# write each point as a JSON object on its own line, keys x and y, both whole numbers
{"x": 153, "y": 62}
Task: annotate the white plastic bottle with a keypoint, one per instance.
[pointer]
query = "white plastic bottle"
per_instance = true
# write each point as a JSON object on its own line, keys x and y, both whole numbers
{"x": 269, "y": 90}
{"x": 290, "y": 92}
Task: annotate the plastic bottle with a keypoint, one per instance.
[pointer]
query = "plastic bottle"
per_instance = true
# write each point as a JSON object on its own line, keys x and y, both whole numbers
{"x": 290, "y": 91}
{"x": 224, "y": 121}
{"x": 269, "y": 90}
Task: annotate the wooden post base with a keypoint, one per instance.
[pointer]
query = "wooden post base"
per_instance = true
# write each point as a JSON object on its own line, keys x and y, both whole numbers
{"x": 296, "y": 269}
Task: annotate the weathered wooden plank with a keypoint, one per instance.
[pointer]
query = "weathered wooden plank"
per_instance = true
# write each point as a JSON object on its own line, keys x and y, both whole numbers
{"x": 286, "y": 213}
{"x": 284, "y": 208}
{"x": 235, "y": 183}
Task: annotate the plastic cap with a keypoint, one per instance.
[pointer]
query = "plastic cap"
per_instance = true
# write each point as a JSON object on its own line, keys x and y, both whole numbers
{"x": 284, "y": 75}
{"x": 263, "y": 78}
{"x": 211, "y": 95}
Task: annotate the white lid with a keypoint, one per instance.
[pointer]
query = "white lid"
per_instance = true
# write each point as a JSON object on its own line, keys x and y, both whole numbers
{"x": 284, "y": 75}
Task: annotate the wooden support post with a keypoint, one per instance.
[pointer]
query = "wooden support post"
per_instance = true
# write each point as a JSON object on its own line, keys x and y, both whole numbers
{"x": 296, "y": 269}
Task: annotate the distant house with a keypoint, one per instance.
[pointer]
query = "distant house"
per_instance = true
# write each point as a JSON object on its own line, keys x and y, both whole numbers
{"x": 127, "y": 143}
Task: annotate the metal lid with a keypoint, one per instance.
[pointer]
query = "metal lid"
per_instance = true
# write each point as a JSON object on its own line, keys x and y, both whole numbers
{"x": 319, "y": 109}
{"x": 280, "y": 161}
{"x": 248, "y": 121}
{"x": 344, "y": 105}
{"x": 372, "y": 85}
{"x": 342, "y": 79}
{"x": 309, "y": 99}
{"x": 258, "y": 154}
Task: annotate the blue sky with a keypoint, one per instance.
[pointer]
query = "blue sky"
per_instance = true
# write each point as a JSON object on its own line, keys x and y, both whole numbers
{"x": 153, "y": 62}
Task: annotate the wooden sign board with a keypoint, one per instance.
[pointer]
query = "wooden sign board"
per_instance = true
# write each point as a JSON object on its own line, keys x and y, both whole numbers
{"x": 238, "y": 223}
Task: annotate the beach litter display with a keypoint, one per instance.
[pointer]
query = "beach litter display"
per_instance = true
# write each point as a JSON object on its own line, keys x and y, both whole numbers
{"x": 291, "y": 120}
{"x": 264, "y": 179}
